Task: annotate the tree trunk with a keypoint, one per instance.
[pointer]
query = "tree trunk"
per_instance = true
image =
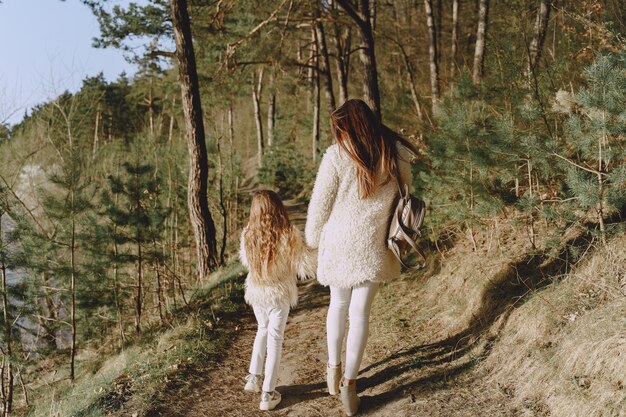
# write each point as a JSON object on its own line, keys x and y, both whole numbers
{"x": 322, "y": 52}
{"x": 50, "y": 315}
{"x": 231, "y": 151}
{"x": 8, "y": 388}
{"x": 110, "y": 132}
{"x": 371, "y": 93}
{"x": 271, "y": 110}
{"x": 481, "y": 36}
{"x": 438, "y": 28}
{"x": 170, "y": 132}
{"x": 200, "y": 216}
{"x": 222, "y": 203}
{"x": 159, "y": 292}
{"x": 602, "y": 168}
{"x": 367, "y": 54}
{"x": 138, "y": 298}
{"x": 95, "y": 134}
{"x": 256, "y": 94}
{"x": 455, "y": 35}
{"x": 73, "y": 290}
{"x": 310, "y": 71}
{"x": 118, "y": 307}
{"x": 342, "y": 47}
{"x": 315, "y": 136}
{"x": 150, "y": 101}
{"x": 536, "y": 45}
{"x": 432, "y": 53}
{"x": 411, "y": 79}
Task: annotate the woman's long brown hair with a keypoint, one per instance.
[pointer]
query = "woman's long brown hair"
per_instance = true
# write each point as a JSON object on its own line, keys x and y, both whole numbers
{"x": 371, "y": 145}
{"x": 268, "y": 224}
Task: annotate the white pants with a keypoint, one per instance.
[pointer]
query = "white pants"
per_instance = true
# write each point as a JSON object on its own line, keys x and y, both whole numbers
{"x": 269, "y": 339}
{"x": 356, "y": 303}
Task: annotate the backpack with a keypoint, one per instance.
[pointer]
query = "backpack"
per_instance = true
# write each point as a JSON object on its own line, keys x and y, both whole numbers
{"x": 405, "y": 225}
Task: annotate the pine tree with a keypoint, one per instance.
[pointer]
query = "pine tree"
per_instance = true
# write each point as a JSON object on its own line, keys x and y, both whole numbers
{"x": 136, "y": 224}
{"x": 466, "y": 158}
{"x": 64, "y": 208}
{"x": 594, "y": 145}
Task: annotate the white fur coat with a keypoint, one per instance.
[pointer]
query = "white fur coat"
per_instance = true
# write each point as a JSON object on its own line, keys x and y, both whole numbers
{"x": 349, "y": 232}
{"x": 279, "y": 287}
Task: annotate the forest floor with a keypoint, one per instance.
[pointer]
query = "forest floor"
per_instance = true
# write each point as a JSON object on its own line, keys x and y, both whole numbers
{"x": 406, "y": 370}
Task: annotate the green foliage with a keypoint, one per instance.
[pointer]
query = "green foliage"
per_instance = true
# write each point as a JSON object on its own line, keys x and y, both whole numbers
{"x": 593, "y": 149}
{"x": 466, "y": 159}
{"x": 117, "y": 24}
{"x": 173, "y": 354}
{"x": 286, "y": 168}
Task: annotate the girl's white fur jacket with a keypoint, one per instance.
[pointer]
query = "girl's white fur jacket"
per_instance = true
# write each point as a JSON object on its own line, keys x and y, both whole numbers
{"x": 278, "y": 287}
{"x": 349, "y": 232}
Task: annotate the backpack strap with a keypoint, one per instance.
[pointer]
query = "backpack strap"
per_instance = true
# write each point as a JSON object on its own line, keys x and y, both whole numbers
{"x": 396, "y": 251}
{"x": 403, "y": 228}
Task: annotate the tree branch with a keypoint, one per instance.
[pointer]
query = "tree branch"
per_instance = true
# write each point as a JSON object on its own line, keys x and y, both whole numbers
{"x": 230, "y": 48}
{"x": 593, "y": 171}
{"x": 166, "y": 54}
{"x": 353, "y": 13}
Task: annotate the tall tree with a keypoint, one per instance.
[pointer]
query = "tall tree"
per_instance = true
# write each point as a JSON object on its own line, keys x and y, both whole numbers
{"x": 455, "y": 36}
{"x": 201, "y": 220}
{"x": 257, "y": 89}
{"x": 323, "y": 60}
{"x": 432, "y": 53}
{"x": 362, "y": 18}
{"x": 595, "y": 151}
{"x": 539, "y": 37}
{"x": 342, "y": 57}
{"x": 136, "y": 223}
{"x": 157, "y": 20}
{"x": 271, "y": 111}
{"x": 315, "y": 130}
{"x": 7, "y": 359}
{"x": 481, "y": 39}
{"x": 65, "y": 208}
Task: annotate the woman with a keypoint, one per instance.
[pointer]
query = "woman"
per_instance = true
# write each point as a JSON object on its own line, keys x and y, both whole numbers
{"x": 348, "y": 221}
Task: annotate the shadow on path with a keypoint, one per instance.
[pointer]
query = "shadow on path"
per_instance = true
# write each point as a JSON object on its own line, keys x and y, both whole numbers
{"x": 451, "y": 357}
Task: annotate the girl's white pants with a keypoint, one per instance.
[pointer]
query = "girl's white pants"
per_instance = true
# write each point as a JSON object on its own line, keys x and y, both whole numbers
{"x": 355, "y": 303}
{"x": 269, "y": 340}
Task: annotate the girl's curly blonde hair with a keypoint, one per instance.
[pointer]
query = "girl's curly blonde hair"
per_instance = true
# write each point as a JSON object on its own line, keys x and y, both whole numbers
{"x": 268, "y": 230}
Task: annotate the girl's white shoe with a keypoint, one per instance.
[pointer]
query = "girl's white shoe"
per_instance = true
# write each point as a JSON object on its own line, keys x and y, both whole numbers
{"x": 269, "y": 400}
{"x": 253, "y": 383}
{"x": 333, "y": 377}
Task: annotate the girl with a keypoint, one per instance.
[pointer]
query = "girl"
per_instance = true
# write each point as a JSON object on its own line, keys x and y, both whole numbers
{"x": 275, "y": 254}
{"x": 348, "y": 221}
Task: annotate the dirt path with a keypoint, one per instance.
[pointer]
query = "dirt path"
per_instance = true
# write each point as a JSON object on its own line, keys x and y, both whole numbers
{"x": 400, "y": 376}
{"x": 404, "y": 371}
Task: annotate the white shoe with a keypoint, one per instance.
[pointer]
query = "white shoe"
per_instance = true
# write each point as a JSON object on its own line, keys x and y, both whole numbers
{"x": 333, "y": 376}
{"x": 269, "y": 400}
{"x": 253, "y": 383}
{"x": 349, "y": 399}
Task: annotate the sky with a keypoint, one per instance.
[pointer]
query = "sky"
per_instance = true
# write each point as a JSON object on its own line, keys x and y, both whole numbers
{"x": 45, "y": 49}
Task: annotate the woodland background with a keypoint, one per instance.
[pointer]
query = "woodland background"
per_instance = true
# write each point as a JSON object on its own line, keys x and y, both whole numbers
{"x": 119, "y": 202}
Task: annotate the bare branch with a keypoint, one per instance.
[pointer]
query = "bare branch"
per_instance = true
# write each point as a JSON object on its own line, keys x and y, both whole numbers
{"x": 593, "y": 171}
{"x": 166, "y": 54}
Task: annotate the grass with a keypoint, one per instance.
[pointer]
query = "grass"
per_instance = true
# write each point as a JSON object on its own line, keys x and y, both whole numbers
{"x": 131, "y": 382}
{"x": 542, "y": 335}
{"x": 565, "y": 347}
